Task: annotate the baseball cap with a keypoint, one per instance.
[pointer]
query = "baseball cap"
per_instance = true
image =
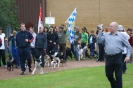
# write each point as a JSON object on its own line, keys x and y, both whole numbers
{"x": 100, "y": 27}
{"x": 120, "y": 28}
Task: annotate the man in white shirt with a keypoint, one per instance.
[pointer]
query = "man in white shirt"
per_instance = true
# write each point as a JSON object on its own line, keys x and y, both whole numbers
{"x": 3, "y": 40}
{"x": 121, "y": 29}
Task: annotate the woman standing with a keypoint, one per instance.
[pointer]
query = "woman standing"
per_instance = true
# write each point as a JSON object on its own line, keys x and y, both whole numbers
{"x": 41, "y": 46}
{"x": 14, "y": 49}
{"x": 84, "y": 40}
{"x": 52, "y": 39}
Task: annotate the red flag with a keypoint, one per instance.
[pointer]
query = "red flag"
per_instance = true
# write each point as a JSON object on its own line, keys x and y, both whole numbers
{"x": 40, "y": 22}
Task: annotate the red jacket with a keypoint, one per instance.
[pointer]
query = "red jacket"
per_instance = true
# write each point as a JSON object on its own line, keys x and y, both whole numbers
{"x": 131, "y": 40}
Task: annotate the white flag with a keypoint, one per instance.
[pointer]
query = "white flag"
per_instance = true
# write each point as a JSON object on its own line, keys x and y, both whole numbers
{"x": 40, "y": 22}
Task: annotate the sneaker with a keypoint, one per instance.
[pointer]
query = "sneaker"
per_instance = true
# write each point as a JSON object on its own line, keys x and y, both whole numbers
{"x": 5, "y": 66}
{"x": 41, "y": 71}
{"x": 30, "y": 70}
{"x": 17, "y": 66}
{"x": 123, "y": 72}
{"x": 97, "y": 60}
{"x": 23, "y": 73}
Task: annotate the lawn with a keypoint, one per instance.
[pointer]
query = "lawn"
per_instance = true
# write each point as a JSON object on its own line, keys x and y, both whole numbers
{"x": 91, "y": 77}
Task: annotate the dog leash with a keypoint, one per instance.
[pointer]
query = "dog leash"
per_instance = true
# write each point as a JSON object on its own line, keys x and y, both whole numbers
{"x": 8, "y": 50}
{"x": 45, "y": 52}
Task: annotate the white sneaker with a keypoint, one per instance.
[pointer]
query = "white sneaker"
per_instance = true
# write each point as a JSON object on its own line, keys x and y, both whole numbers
{"x": 41, "y": 71}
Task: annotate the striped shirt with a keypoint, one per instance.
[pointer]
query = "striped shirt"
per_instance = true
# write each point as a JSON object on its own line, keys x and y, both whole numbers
{"x": 114, "y": 43}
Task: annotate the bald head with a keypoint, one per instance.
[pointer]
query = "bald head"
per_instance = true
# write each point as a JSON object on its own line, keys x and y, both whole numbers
{"x": 113, "y": 27}
{"x": 114, "y": 23}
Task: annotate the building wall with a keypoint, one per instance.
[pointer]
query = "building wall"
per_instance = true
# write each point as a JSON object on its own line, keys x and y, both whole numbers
{"x": 90, "y": 13}
{"x": 29, "y": 11}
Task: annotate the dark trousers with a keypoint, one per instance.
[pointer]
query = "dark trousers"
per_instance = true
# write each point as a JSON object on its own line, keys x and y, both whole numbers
{"x": 24, "y": 54}
{"x": 2, "y": 54}
{"x": 72, "y": 49}
{"x": 51, "y": 50}
{"x": 40, "y": 51}
{"x": 83, "y": 45}
{"x": 101, "y": 52}
{"x": 114, "y": 65}
{"x": 124, "y": 63}
{"x": 63, "y": 49}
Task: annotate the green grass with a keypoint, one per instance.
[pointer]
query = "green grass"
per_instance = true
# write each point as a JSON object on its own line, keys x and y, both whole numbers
{"x": 91, "y": 77}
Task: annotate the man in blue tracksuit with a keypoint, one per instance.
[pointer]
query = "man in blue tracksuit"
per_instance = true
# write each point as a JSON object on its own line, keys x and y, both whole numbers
{"x": 14, "y": 49}
{"x": 23, "y": 40}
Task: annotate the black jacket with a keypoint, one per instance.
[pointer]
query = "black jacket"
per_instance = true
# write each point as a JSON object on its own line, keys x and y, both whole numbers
{"x": 52, "y": 37}
{"x": 41, "y": 40}
{"x": 93, "y": 39}
{"x": 13, "y": 40}
{"x": 20, "y": 39}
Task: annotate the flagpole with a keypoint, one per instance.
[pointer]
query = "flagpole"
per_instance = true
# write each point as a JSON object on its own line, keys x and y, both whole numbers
{"x": 40, "y": 22}
{"x": 49, "y": 16}
{"x": 50, "y": 13}
{"x": 99, "y": 11}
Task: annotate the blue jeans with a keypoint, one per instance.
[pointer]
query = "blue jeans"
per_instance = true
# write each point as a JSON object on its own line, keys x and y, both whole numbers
{"x": 15, "y": 55}
{"x": 92, "y": 47}
{"x": 76, "y": 50}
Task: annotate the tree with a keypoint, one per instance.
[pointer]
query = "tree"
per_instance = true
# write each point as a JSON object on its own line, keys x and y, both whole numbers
{"x": 8, "y": 14}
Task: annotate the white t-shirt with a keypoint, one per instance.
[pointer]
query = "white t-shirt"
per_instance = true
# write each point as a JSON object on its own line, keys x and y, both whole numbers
{"x": 32, "y": 44}
{"x": 2, "y": 36}
{"x": 127, "y": 37}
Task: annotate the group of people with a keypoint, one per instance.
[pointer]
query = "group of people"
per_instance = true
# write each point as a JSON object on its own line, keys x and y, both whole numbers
{"x": 26, "y": 44}
{"x": 42, "y": 43}
{"x": 112, "y": 42}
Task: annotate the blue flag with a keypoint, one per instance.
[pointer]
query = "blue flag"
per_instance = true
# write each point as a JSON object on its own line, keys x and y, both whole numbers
{"x": 71, "y": 24}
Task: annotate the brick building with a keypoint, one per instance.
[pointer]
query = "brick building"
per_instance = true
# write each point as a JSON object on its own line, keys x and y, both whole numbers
{"x": 89, "y": 13}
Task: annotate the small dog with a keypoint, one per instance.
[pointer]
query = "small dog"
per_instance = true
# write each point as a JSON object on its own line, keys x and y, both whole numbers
{"x": 47, "y": 60}
{"x": 38, "y": 64}
{"x": 62, "y": 60}
{"x": 56, "y": 60}
{"x": 10, "y": 63}
{"x": 68, "y": 52}
{"x": 81, "y": 51}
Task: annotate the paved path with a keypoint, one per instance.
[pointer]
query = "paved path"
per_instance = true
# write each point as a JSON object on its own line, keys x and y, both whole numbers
{"x": 5, "y": 74}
